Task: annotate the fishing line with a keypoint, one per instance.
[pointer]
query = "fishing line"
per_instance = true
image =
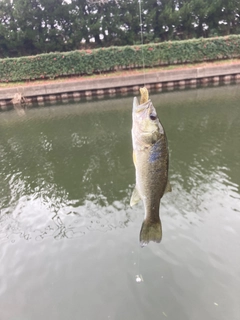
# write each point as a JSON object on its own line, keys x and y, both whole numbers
{"x": 141, "y": 29}
{"x": 139, "y": 277}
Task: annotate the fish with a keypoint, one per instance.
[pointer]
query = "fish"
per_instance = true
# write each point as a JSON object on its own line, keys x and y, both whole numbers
{"x": 151, "y": 161}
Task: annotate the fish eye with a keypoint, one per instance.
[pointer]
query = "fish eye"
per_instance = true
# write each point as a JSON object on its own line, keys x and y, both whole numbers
{"x": 153, "y": 117}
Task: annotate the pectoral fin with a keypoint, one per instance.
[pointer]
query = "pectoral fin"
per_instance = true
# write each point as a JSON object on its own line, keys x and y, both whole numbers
{"x": 168, "y": 187}
{"x": 135, "y": 198}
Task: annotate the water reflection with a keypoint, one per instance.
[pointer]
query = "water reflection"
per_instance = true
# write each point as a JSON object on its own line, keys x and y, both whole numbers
{"x": 66, "y": 173}
{"x": 69, "y": 238}
{"x": 69, "y": 222}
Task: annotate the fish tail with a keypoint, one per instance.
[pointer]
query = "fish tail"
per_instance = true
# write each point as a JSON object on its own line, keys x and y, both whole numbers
{"x": 150, "y": 231}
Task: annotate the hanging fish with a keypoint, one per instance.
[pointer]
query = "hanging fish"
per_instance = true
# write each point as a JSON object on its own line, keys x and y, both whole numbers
{"x": 150, "y": 157}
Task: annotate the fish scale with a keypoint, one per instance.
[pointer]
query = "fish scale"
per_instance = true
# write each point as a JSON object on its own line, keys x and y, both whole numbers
{"x": 150, "y": 157}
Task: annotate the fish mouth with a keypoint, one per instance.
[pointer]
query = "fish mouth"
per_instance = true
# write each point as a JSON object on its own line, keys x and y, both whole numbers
{"x": 146, "y": 109}
{"x": 141, "y": 107}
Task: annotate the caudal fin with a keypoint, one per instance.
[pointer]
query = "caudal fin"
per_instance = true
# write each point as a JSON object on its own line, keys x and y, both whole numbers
{"x": 150, "y": 231}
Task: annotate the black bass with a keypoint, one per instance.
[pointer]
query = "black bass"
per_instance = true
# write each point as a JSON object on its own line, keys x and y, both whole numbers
{"x": 150, "y": 157}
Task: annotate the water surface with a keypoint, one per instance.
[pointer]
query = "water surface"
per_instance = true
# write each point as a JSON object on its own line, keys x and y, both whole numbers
{"x": 68, "y": 238}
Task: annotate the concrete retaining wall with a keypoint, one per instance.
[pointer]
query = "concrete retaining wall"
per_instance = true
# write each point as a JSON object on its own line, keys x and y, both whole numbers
{"x": 76, "y": 90}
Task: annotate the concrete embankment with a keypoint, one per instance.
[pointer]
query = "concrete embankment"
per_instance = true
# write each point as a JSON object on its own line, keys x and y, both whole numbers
{"x": 69, "y": 90}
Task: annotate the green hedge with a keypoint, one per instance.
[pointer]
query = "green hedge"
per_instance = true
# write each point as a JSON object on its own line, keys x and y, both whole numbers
{"x": 58, "y": 64}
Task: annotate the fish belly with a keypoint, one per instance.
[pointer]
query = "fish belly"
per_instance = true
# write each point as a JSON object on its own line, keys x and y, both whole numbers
{"x": 152, "y": 176}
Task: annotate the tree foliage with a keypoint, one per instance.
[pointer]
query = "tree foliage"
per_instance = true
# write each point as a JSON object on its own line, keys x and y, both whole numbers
{"x": 29, "y": 27}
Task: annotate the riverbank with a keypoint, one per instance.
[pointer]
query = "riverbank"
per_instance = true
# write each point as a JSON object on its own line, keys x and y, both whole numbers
{"x": 177, "y": 76}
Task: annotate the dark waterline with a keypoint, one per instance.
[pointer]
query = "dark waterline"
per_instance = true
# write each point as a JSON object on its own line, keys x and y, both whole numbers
{"x": 68, "y": 238}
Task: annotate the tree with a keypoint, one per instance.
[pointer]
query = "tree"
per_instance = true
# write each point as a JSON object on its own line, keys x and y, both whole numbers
{"x": 29, "y": 27}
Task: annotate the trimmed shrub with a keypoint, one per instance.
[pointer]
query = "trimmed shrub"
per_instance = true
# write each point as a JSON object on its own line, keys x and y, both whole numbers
{"x": 82, "y": 62}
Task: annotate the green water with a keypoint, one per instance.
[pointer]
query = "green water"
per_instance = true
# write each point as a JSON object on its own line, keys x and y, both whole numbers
{"x": 68, "y": 238}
